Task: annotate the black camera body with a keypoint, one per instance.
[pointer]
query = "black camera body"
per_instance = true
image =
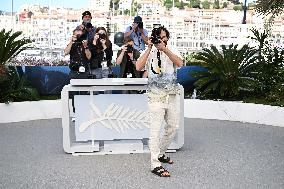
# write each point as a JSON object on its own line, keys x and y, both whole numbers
{"x": 102, "y": 36}
{"x": 140, "y": 24}
{"x": 81, "y": 38}
{"x": 155, "y": 37}
{"x": 129, "y": 49}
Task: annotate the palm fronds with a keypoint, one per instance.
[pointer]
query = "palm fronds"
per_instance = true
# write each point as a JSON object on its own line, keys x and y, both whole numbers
{"x": 10, "y": 45}
{"x": 267, "y": 7}
{"x": 228, "y": 71}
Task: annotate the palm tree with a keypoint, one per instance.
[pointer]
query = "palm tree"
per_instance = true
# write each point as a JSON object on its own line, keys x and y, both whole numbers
{"x": 12, "y": 86}
{"x": 267, "y": 7}
{"x": 228, "y": 71}
{"x": 10, "y": 46}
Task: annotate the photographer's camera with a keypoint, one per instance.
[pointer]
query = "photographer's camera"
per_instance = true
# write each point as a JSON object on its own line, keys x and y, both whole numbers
{"x": 129, "y": 49}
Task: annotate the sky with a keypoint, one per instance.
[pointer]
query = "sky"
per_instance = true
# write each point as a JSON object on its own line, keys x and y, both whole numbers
{"x": 5, "y": 5}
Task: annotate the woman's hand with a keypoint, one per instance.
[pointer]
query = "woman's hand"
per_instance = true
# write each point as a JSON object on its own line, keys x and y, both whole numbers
{"x": 85, "y": 44}
{"x": 123, "y": 48}
{"x": 96, "y": 37}
{"x": 73, "y": 38}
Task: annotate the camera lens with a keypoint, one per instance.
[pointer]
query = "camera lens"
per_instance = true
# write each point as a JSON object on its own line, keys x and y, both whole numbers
{"x": 102, "y": 35}
{"x": 155, "y": 40}
{"x": 129, "y": 49}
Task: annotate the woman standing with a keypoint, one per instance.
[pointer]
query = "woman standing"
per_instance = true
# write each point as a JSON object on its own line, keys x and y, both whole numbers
{"x": 101, "y": 50}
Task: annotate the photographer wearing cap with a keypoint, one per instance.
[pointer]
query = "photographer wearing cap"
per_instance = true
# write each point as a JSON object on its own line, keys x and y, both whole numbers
{"x": 87, "y": 26}
{"x": 163, "y": 92}
{"x": 137, "y": 33}
{"x": 101, "y": 50}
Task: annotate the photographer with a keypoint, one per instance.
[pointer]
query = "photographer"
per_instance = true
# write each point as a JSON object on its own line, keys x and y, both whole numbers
{"x": 163, "y": 95}
{"x": 79, "y": 58}
{"x": 137, "y": 33}
{"x": 101, "y": 50}
{"x": 79, "y": 55}
{"x": 126, "y": 58}
{"x": 86, "y": 25}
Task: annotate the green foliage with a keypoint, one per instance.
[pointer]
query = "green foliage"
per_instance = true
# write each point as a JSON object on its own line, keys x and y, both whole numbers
{"x": 216, "y": 4}
{"x": 238, "y": 7}
{"x": 114, "y": 3}
{"x": 14, "y": 88}
{"x": 276, "y": 94}
{"x": 270, "y": 62}
{"x": 189, "y": 58}
{"x": 126, "y": 12}
{"x": 10, "y": 45}
{"x": 194, "y": 3}
{"x": 225, "y": 5}
{"x": 274, "y": 7}
{"x": 228, "y": 74}
{"x": 206, "y": 4}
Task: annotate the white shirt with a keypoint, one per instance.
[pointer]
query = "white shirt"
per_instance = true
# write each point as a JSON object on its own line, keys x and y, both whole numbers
{"x": 163, "y": 78}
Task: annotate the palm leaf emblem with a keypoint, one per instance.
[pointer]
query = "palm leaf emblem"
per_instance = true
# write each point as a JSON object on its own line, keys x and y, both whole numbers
{"x": 118, "y": 118}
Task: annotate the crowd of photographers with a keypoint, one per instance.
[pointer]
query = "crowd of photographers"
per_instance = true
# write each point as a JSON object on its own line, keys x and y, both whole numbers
{"x": 90, "y": 57}
{"x": 91, "y": 50}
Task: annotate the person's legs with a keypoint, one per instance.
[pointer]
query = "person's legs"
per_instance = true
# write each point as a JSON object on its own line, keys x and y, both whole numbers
{"x": 98, "y": 75}
{"x": 97, "y": 72}
{"x": 156, "y": 112}
{"x": 172, "y": 123}
{"x": 105, "y": 74}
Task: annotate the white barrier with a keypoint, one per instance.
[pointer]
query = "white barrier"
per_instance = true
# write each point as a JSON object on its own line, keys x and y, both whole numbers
{"x": 30, "y": 110}
{"x": 234, "y": 111}
{"x": 204, "y": 109}
{"x": 111, "y": 123}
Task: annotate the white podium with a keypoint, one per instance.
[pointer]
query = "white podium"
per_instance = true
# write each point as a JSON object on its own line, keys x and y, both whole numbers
{"x": 110, "y": 123}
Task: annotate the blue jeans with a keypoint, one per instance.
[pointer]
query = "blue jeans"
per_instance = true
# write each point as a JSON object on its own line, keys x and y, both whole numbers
{"x": 101, "y": 73}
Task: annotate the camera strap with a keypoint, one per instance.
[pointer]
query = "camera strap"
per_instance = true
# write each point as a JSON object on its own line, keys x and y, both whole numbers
{"x": 159, "y": 63}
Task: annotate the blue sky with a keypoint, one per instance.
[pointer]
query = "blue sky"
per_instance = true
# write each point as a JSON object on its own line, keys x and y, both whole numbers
{"x": 5, "y": 5}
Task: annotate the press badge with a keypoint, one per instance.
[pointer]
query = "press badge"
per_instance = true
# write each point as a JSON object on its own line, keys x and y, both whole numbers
{"x": 129, "y": 75}
{"x": 104, "y": 65}
{"x": 82, "y": 69}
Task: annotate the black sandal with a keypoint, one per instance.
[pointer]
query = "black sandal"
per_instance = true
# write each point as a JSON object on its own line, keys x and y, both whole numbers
{"x": 160, "y": 171}
{"x": 165, "y": 159}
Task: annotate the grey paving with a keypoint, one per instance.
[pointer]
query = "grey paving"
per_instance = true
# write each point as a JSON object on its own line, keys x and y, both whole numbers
{"x": 216, "y": 154}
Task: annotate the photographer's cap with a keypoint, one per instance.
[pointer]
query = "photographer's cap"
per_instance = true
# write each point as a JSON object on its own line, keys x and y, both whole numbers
{"x": 137, "y": 19}
{"x": 86, "y": 13}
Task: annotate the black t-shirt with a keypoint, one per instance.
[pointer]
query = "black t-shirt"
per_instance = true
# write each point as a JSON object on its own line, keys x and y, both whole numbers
{"x": 129, "y": 68}
{"x": 78, "y": 57}
{"x": 100, "y": 55}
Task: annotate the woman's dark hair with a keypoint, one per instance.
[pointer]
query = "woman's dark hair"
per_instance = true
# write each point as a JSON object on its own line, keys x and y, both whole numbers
{"x": 99, "y": 45}
{"x": 127, "y": 39}
{"x": 157, "y": 31}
